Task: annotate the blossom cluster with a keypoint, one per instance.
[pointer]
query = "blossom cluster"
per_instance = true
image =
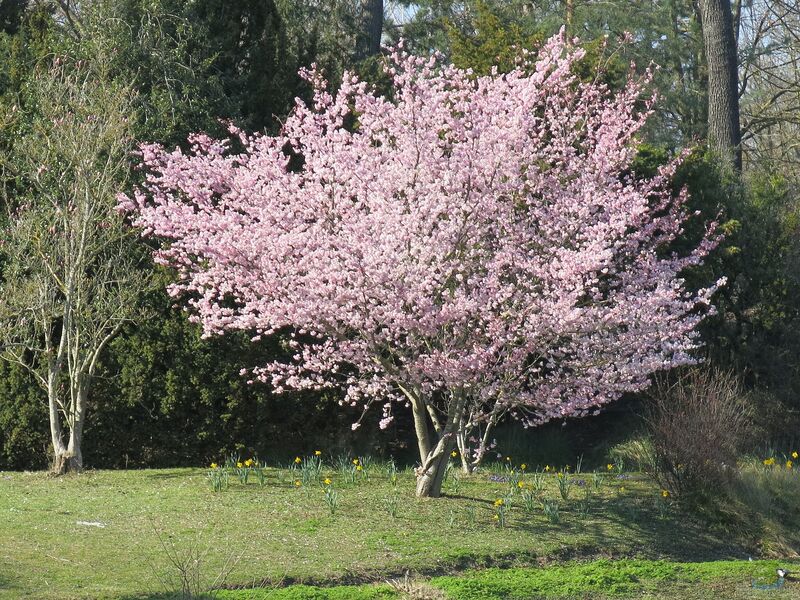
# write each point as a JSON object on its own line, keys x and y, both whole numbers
{"x": 474, "y": 236}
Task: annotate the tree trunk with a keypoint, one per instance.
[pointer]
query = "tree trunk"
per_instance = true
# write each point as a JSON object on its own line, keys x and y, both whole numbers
{"x": 569, "y": 14}
{"x": 68, "y": 459}
{"x": 429, "y": 484}
{"x": 430, "y": 474}
{"x": 371, "y": 31}
{"x": 724, "y": 133}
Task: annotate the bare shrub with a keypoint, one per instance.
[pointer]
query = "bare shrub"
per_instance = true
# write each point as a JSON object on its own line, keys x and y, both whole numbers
{"x": 415, "y": 589}
{"x": 698, "y": 426}
{"x": 184, "y": 570}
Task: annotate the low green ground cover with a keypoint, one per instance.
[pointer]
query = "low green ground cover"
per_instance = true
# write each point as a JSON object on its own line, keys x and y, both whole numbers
{"x": 595, "y": 579}
{"x": 108, "y": 534}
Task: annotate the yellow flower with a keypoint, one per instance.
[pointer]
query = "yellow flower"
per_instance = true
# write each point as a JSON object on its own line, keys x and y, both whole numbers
{"x": 508, "y": 459}
{"x": 297, "y": 460}
{"x": 496, "y": 517}
{"x": 214, "y": 466}
{"x": 355, "y": 461}
{"x": 297, "y": 483}
{"x": 454, "y": 454}
{"x": 664, "y": 494}
{"x": 566, "y": 468}
{"x": 795, "y": 455}
{"x": 327, "y": 481}
{"x": 769, "y": 461}
{"x": 609, "y": 466}
{"x": 547, "y": 467}
{"x": 499, "y": 502}
{"x": 248, "y": 462}
{"x": 238, "y": 465}
{"x": 520, "y": 485}
{"x": 560, "y": 475}
{"x": 523, "y": 466}
{"x": 622, "y": 489}
{"x": 359, "y": 468}
{"x": 789, "y": 464}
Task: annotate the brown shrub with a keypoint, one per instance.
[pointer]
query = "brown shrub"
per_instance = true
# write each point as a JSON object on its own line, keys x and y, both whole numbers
{"x": 698, "y": 424}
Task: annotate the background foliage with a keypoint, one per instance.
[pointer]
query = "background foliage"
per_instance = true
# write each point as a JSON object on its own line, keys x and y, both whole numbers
{"x": 166, "y": 396}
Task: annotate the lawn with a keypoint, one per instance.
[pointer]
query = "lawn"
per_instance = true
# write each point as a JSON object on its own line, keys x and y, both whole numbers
{"x": 103, "y": 534}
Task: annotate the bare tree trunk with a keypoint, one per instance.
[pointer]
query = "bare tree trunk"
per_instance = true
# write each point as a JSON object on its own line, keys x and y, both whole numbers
{"x": 430, "y": 475}
{"x": 569, "y": 14}
{"x": 724, "y": 133}
{"x": 56, "y": 432}
{"x": 371, "y": 28}
{"x": 69, "y": 458}
{"x": 429, "y": 483}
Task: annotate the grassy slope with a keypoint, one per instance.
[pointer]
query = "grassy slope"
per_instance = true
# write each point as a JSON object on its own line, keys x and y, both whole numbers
{"x": 283, "y": 535}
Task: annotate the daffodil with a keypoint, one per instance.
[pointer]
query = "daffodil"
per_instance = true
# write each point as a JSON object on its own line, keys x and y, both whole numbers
{"x": 769, "y": 461}
{"x": 297, "y": 460}
{"x": 520, "y": 485}
{"x": 523, "y": 466}
{"x": 355, "y": 461}
{"x": 317, "y": 452}
{"x": 609, "y": 466}
{"x": 664, "y": 494}
{"x": 547, "y": 468}
{"x": 327, "y": 481}
{"x": 214, "y": 466}
{"x": 248, "y": 462}
{"x": 454, "y": 454}
{"x": 795, "y": 455}
{"x": 359, "y": 468}
{"x": 238, "y": 465}
{"x": 297, "y": 483}
{"x": 499, "y": 502}
{"x": 508, "y": 459}
{"x": 789, "y": 464}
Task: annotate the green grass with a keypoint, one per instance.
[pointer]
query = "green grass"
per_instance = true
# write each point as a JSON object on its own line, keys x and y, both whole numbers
{"x": 283, "y": 535}
{"x": 596, "y": 579}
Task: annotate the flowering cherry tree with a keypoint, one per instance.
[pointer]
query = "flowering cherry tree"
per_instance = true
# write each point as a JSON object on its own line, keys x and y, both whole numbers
{"x": 469, "y": 248}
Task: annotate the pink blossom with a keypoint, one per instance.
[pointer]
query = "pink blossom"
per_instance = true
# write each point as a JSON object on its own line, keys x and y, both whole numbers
{"x": 475, "y": 245}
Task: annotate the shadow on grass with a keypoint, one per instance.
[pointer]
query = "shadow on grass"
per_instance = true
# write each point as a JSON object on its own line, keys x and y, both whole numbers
{"x": 674, "y": 536}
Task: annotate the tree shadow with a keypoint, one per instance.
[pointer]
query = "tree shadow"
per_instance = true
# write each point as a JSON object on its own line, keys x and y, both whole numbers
{"x": 673, "y": 536}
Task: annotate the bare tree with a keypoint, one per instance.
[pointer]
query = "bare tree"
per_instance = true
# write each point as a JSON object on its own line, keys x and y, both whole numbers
{"x": 769, "y": 45}
{"x": 70, "y": 275}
